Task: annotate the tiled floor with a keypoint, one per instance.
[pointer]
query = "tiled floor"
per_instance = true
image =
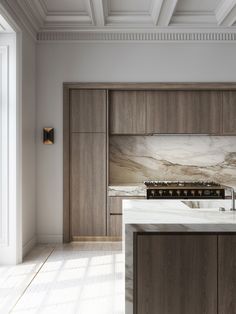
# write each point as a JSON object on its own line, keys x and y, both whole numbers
{"x": 83, "y": 278}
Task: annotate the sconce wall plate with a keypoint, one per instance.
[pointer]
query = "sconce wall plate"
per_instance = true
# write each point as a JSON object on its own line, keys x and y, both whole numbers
{"x": 48, "y": 136}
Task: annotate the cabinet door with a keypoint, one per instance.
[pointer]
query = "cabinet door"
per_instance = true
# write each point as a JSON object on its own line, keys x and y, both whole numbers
{"x": 127, "y": 112}
{"x": 227, "y": 274}
{"x": 176, "y": 274}
{"x": 88, "y": 184}
{"x": 88, "y": 110}
{"x": 184, "y": 112}
{"x": 229, "y": 113}
{"x": 115, "y": 225}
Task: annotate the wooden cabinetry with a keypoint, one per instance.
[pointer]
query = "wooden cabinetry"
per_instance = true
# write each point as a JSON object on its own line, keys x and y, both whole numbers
{"x": 88, "y": 110}
{"x": 127, "y": 112}
{"x": 184, "y": 112}
{"x": 88, "y": 184}
{"x": 115, "y": 214}
{"x": 229, "y": 113}
{"x": 182, "y": 273}
{"x": 176, "y": 274}
{"x": 227, "y": 274}
{"x": 88, "y": 163}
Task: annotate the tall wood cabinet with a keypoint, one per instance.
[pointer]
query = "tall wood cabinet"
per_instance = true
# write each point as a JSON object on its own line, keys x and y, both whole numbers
{"x": 88, "y": 163}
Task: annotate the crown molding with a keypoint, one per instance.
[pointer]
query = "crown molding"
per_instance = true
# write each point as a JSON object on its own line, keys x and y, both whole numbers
{"x": 140, "y": 36}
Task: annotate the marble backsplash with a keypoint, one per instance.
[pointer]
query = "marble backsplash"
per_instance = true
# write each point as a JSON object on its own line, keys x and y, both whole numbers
{"x": 134, "y": 159}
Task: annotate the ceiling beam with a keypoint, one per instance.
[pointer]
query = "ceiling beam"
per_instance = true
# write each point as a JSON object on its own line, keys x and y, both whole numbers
{"x": 163, "y": 11}
{"x": 96, "y": 12}
{"x": 226, "y": 12}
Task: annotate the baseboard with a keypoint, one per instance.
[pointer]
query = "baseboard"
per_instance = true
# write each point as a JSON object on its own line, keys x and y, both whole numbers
{"x": 28, "y": 246}
{"x": 49, "y": 238}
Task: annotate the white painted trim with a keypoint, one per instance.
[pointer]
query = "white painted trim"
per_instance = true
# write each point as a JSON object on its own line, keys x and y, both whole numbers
{"x": 132, "y": 36}
{"x": 4, "y": 133}
{"x": 167, "y": 11}
{"x": 156, "y": 10}
{"x": 96, "y": 11}
{"x": 29, "y": 246}
{"x": 49, "y": 238}
{"x": 226, "y": 12}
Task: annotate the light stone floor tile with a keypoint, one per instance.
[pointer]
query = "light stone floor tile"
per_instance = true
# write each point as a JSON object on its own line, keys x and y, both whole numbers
{"x": 83, "y": 278}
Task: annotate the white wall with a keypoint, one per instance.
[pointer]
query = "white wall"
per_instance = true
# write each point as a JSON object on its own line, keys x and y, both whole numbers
{"x": 28, "y": 142}
{"x": 95, "y": 62}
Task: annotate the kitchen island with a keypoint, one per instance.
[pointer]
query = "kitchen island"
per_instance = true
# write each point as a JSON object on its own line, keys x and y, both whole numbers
{"x": 180, "y": 256}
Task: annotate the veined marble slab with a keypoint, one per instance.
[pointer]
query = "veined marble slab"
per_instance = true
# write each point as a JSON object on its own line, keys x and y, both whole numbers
{"x": 127, "y": 190}
{"x": 140, "y": 158}
{"x": 170, "y": 216}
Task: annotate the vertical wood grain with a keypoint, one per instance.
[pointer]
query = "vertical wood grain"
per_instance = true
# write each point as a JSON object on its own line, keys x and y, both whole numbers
{"x": 176, "y": 274}
{"x": 88, "y": 184}
{"x": 88, "y": 110}
{"x": 229, "y": 113}
{"x": 184, "y": 112}
{"x": 227, "y": 274}
{"x": 127, "y": 112}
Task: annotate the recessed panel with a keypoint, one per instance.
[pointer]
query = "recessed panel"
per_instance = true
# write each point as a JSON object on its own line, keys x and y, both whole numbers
{"x": 196, "y": 6}
{"x": 65, "y": 6}
{"x": 129, "y": 7}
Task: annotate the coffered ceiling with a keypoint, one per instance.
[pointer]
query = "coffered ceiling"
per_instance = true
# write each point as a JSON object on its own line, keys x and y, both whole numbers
{"x": 129, "y": 15}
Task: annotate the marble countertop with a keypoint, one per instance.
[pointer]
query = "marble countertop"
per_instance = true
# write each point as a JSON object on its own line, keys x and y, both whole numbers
{"x": 131, "y": 189}
{"x": 178, "y": 212}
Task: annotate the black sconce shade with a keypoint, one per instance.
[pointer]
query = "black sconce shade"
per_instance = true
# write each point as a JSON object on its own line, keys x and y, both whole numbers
{"x": 48, "y": 136}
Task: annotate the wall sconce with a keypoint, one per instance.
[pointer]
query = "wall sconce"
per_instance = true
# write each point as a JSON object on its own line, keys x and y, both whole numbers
{"x": 48, "y": 136}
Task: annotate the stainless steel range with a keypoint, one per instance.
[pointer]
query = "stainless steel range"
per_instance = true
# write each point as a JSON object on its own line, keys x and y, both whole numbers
{"x": 184, "y": 190}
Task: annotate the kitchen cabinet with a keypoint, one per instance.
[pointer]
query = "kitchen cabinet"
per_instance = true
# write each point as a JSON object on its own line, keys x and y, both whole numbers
{"x": 229, "y": 113}
{"x": 184, "y": 112}
{"x": 88, "y": 184}
{"x": 127, "y": 111}
{"x": 227, "y": 274}
{"x": 176, "y": 274}
{"x": 185, "y": 273}
{"x": 115, "y": 214}
{"x": 88, "y": 110}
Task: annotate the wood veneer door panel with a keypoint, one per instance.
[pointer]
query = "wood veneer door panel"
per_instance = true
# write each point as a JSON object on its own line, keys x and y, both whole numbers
{"x": 88, "y": 110}
{"x": 127, "y": 112}
{"x": 88, "y": 184}
{"x": 115, "y": 225}
{"x": 227, "y": 274}
{"x": 229, "y": 113}
{"x": 176, "y": 274}
{"x": 184, "y": 112}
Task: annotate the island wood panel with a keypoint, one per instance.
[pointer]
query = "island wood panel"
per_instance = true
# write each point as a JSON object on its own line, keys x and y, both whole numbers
{"x": 88, "y": 110}
{"x": 229, "y": 113}
{"x": 115, "y": 225}
{"x": 127, "y": 112}
{"x": 88, "y": 184}
{"x": 176, "y": 274}
{"x": 227, "y": 274}
{"x": 184, "y": 112}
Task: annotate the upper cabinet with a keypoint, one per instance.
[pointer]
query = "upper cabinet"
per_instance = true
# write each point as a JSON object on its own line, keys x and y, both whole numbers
{"x": 229, "y": 113}
{"x": 88, "y": 111}
{"x": 127, "y": 112}
{"x": 184, "y": 112}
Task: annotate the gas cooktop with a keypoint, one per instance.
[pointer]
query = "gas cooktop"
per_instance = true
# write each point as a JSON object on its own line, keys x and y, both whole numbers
{"x": 184, "y": 190}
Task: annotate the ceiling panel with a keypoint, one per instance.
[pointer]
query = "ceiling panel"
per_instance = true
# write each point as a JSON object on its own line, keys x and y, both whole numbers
{"x": 129, "y": 7}
{"x": 64, "y": 6}
{"x": 197, "y": 5}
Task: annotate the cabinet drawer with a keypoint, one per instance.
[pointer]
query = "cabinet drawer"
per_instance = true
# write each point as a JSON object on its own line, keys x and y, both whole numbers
{"x": 115, "y": 225}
